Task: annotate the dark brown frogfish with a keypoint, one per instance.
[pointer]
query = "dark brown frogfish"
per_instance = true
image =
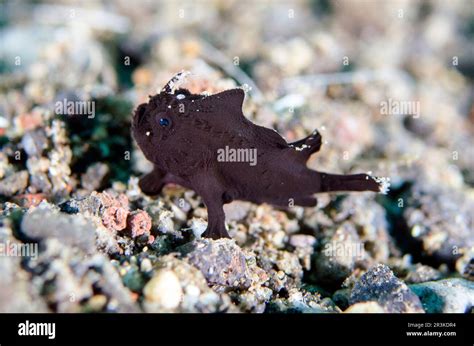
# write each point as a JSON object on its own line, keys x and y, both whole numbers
{"x": 205, "y": 143}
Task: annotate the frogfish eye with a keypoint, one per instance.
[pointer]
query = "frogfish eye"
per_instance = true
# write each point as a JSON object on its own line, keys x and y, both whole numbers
{"x": 164, "y": 122}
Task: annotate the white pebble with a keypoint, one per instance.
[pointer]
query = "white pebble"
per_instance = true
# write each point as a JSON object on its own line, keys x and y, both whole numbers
{"x": 164, "y": 289}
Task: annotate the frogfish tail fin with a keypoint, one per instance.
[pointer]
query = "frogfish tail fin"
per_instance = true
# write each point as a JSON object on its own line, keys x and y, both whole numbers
{"x": 353, "y": 182}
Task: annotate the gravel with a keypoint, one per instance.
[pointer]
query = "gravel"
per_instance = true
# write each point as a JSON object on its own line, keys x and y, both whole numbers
{"x": 380, "y": 285}
{"x": 69, "y": 183}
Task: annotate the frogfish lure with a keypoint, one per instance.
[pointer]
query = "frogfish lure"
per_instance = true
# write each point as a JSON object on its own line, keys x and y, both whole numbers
{"x": 205, "y": 143}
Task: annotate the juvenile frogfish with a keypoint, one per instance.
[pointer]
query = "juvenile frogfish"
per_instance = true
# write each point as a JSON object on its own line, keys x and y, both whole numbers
{"x": 205, "y": 143}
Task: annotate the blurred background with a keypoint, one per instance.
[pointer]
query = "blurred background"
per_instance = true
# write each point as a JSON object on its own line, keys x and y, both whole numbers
{"x": 389, "y": 84}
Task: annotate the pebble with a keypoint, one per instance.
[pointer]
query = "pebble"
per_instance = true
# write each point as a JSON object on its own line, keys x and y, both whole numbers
{"x": 34, "y": 142}
{"x": 138, "y": 223}
{"x": 339, "y": 253}
{"x": 45, "y": 222}
{"x": 115, "y": 218}
{"x": 222, "y": 262}
{"x": 365, "y": 308}
{"x": 145, "y": 265}
{"x": 379, "y": 284}
{"x": 14, "y": 183}
{"x": 441, "y": 220}
{"x": 465, "y": 265}
{"x": 422, "y": 273}
{"x": 446, "y": 296}
{"x": 94, "y": 177}
{"x": 302, "y": 240}
{"x": 164, "y": 289}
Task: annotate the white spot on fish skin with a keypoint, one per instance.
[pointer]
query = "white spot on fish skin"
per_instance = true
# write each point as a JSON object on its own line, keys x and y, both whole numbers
{"x": 180, "y": 96}
{"x": 169, "y": 106}
{"x": 148, "y": 133}
{"x": 301, "y": 148}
